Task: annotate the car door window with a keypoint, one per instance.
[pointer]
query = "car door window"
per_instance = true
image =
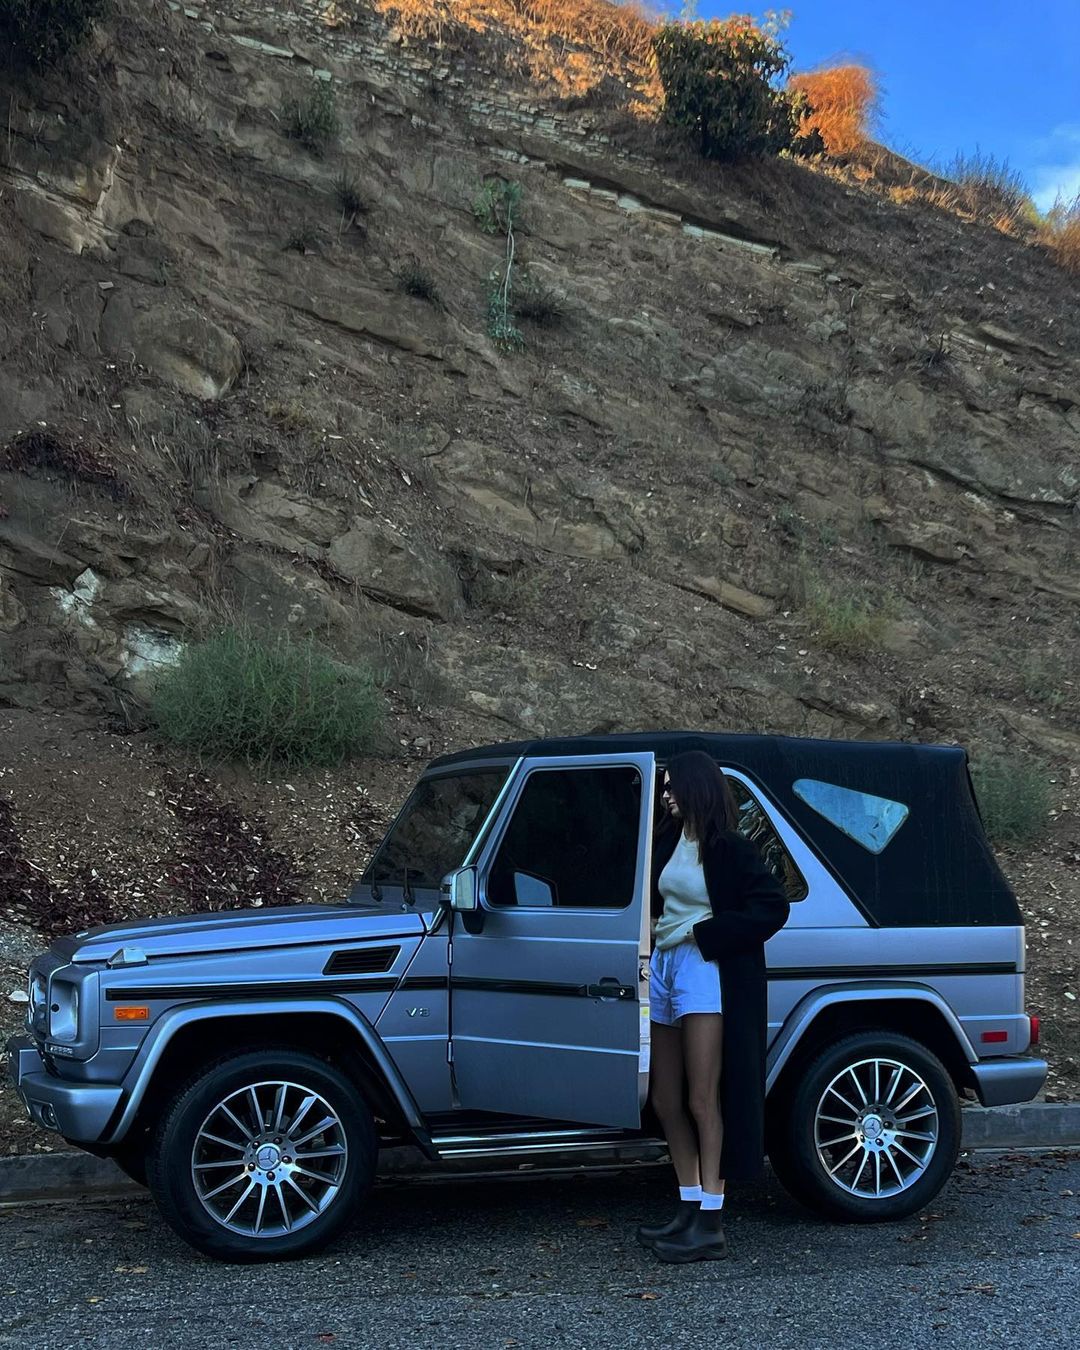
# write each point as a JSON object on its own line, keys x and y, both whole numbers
{"x": 571, "y": 842}
{"x": 755, "y": 825}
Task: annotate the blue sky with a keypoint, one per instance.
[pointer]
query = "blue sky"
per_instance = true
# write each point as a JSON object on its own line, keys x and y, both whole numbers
{"x": 1002, "y": 76}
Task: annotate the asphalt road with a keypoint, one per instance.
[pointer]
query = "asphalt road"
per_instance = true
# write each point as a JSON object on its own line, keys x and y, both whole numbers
{"x": 553, "y": 1263}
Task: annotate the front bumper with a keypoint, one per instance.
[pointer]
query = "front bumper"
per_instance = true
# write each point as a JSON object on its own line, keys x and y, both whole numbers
{"x": 1012, "y": 1078}
{"x": 78, "y": 1111}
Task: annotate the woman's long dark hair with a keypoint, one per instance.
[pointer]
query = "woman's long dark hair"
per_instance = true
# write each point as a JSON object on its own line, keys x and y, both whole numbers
{"x": 704, "y": 796}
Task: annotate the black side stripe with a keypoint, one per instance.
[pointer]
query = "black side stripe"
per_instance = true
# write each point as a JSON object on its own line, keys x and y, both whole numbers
{"x": 548, "y": 988}
{"x": 888, "y": 972}
{"x": 252, "y": 989}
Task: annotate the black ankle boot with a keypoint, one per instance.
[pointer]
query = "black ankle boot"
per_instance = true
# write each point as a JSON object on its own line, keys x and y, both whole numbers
{"x": 701, "y": 1240}
{"x": 649, "y": 1233}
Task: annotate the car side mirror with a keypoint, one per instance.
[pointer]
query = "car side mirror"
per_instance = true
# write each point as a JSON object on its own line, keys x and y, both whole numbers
{"x": 459, "y": 890}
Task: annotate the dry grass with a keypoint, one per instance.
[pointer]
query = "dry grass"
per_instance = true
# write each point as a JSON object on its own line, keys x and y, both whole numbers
{"x": 843, "y": 99}
{"x": 624, "y": 30}
{"x": 989, "y": 191}
{"x": 574, "y": 43}
{"x": 1060, "y": 232}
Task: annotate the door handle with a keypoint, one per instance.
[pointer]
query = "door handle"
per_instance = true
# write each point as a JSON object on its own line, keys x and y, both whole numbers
{"x": 610, "y": 988}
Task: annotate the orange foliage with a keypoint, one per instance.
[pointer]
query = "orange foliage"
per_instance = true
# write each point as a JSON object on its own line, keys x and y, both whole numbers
{"x": 841, "y": 99}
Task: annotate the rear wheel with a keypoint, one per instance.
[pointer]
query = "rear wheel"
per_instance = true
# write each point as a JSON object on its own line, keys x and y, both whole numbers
{"x": 263, "y": 1156}
{"x": 870, "y": 1130}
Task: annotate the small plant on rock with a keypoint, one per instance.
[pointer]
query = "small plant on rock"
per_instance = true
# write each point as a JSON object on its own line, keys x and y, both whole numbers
{"x": 538, "y": 303}
{"x": 496, "y": 206}
{"x": 314, "y": 121}
{"x": 350, "y": 203}
{"x": 416, "y": 281}
{"x": 502, "y": 329}
{"x": 303, "y": 239}
{"x": 496, "y": 210}
{"x": 241, "y": 695}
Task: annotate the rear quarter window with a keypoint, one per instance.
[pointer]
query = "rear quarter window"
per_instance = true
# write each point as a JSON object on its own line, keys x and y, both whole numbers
{"x": 871, "y": 821}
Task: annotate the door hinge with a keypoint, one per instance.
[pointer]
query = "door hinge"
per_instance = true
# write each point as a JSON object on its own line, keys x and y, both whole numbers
{"x": 449, "y": 1052}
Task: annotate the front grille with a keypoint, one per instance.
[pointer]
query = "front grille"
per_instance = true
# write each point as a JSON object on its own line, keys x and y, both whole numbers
{"x": 361, "y": 961}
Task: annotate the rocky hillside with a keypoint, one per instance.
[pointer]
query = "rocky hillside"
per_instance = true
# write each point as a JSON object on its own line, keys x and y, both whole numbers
{"x": 791, "y": 450}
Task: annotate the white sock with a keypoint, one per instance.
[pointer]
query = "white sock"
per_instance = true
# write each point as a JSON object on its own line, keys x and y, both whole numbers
{"x": 690, "y": 1193}
{"x": 710, "y": 1201}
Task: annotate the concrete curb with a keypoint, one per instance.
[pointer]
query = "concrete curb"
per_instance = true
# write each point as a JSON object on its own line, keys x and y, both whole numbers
{"x": 58, "y": 1176}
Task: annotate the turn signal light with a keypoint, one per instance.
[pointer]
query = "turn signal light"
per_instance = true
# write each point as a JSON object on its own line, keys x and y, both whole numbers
{"x": 128, "y": 1013}
{"x": 1033, "y": 1019}
{"x": 995, "y": 1036}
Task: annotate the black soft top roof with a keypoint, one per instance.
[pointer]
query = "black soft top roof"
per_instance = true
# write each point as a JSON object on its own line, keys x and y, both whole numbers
{"x": 937, "y": 870}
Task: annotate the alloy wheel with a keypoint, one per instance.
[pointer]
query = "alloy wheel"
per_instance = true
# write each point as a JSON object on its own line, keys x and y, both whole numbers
{"x": 876, "y": 1128}
{"x": 269, "y": 1159}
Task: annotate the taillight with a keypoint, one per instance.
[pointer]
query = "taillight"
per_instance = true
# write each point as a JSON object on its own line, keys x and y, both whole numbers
{"x": 1033, "y": 1019}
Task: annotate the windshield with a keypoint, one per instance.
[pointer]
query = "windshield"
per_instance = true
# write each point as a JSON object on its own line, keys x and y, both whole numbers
{"x": 436, "y": 828}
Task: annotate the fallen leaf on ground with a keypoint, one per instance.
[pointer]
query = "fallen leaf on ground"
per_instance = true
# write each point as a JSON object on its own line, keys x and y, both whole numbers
{"x": 645, "y": 1294}
{"x": 592, "y": 1223}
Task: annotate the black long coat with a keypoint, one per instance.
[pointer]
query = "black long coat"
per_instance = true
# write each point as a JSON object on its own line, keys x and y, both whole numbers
{"x": 749, "y": 906}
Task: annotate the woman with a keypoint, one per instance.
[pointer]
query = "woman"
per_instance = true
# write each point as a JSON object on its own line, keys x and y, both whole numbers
{"x": 715, "y": 904}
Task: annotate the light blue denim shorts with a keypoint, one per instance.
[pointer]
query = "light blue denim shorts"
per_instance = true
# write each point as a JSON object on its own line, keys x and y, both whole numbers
{"x": 681, "y": 981}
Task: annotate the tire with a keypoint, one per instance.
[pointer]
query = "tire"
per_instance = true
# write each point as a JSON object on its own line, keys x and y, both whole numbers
{"x": 808, "y": 1152}
{"x": 284, "y": 1211}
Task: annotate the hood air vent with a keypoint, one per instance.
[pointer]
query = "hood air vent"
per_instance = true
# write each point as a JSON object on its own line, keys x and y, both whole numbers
{"x": 362, "y": 961}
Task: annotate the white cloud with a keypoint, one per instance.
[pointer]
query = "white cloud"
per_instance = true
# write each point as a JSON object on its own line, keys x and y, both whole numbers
{"x": 1056, "y": 171}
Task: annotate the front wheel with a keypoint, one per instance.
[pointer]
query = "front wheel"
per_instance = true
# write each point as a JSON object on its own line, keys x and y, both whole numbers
{"x": 263, "y": 1156}
{"x": 870, "y": 1130}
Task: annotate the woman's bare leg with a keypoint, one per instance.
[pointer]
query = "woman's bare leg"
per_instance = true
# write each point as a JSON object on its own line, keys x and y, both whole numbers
{"x": 703, "y": 1048}
{"x": 666, "y": 1089}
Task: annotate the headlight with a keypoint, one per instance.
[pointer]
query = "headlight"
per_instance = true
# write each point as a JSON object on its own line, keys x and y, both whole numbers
{"x": 36, "y": 1012}
{"x": 64, "y": 1011}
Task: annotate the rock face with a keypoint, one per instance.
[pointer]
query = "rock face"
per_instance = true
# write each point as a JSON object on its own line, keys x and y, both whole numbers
{"x": 389, "y": 567}
{"x": 189, "y": 352}
{"x": 552, "y": 510}
{"x": 811, "y": 469}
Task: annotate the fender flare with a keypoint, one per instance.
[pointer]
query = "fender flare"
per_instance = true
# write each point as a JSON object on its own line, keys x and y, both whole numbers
{"x": 802, "y": 1016}
{"x": 138, "y": 1077}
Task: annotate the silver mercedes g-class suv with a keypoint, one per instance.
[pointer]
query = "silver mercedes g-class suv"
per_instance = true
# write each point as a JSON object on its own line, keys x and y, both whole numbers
{"x": 483, "y": 993}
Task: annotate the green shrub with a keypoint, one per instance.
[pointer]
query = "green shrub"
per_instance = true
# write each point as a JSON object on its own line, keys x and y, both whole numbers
{"x": 1013, "y": 793}
{"x": 314, "y": 122}
{"x": 845, "y": 620}
{"x": 721, "y": 83}
{"x": 239, "y": 695}
{"x": 43, "y": 32}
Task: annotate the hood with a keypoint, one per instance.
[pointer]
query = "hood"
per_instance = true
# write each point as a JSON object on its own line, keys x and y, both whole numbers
{"x": 240, "y": 930}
